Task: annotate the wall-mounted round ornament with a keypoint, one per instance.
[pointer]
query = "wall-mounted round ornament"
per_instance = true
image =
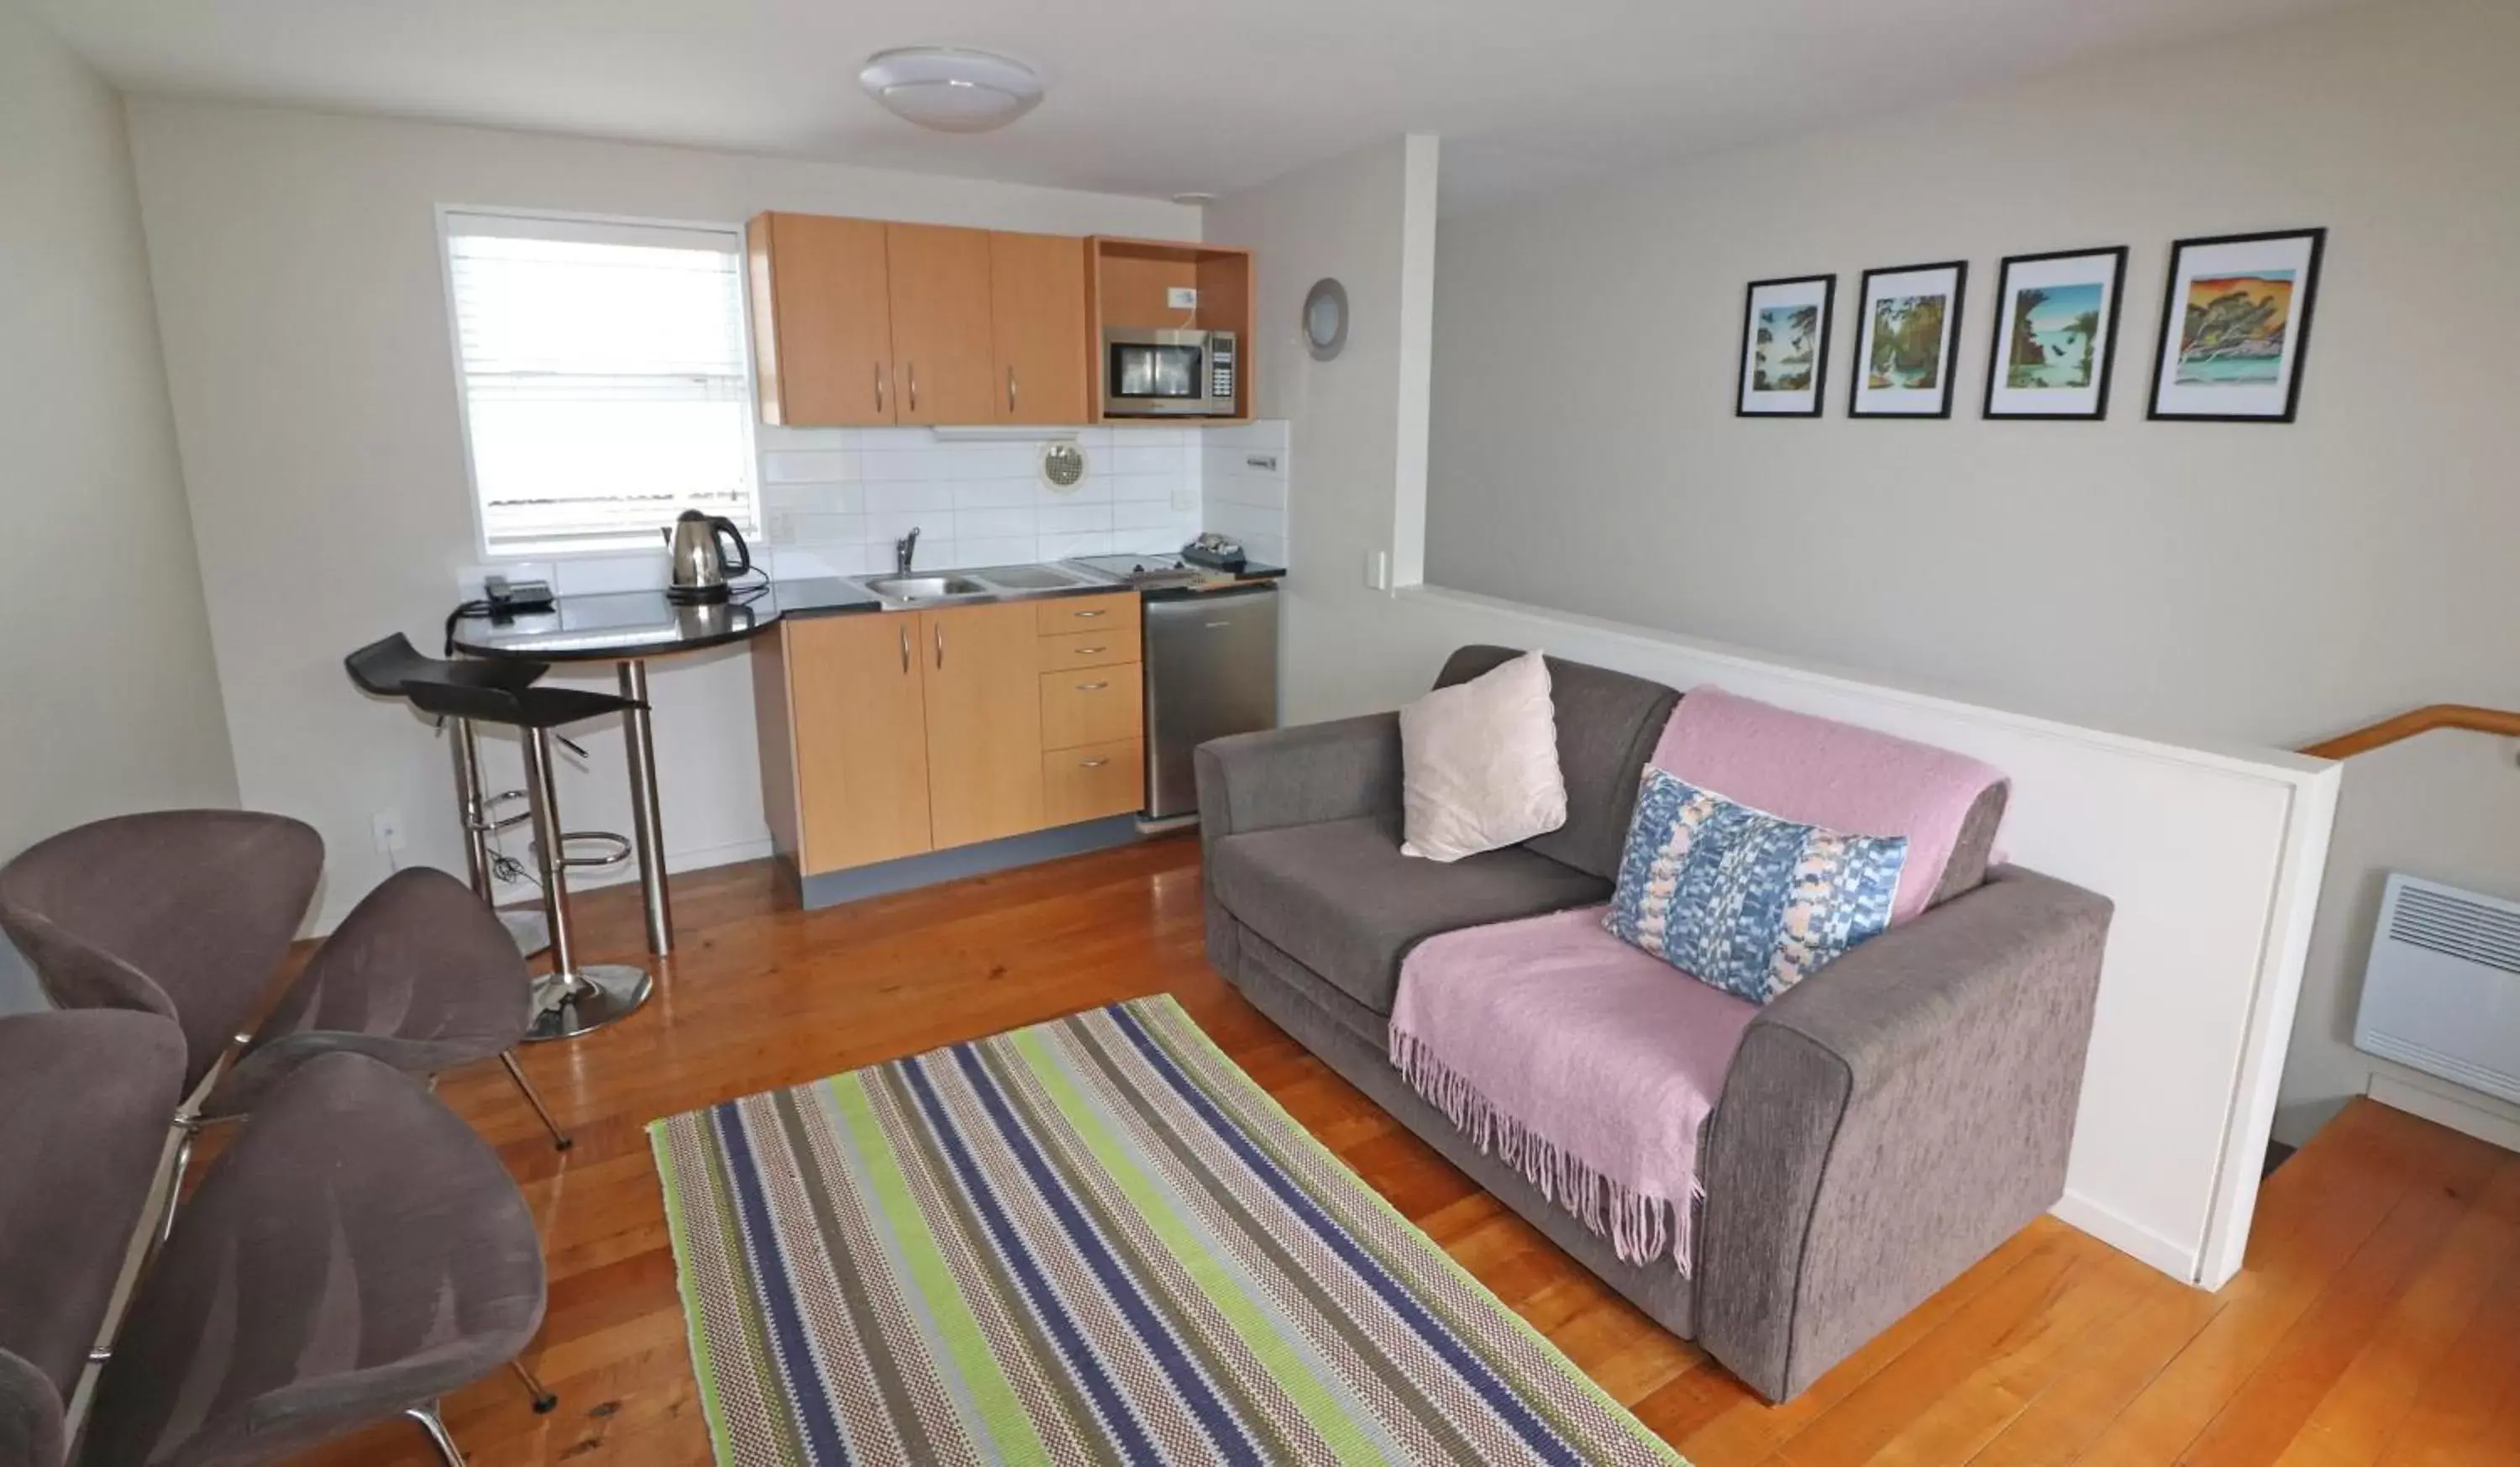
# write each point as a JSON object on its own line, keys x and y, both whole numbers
{"x": 1063, "y": 466}
{"x": 1326, "y": 319}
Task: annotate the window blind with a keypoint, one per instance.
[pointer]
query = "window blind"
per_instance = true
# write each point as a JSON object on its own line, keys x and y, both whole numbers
{"x": 604, "y": 380}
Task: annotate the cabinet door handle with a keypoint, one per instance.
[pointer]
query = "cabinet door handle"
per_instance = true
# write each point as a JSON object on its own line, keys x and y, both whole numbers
{"x": 1092, "y": 763}
{"x": 905, "y": 649}
{"x": 1091, "y": 651}
{"x": 1011, "y": 389}
{"x": 1092, "y": 687}
{"x": 1090, "y": 614}
{"x": 940, "y": 645}
{"x": 914, "y": 386}
{"x": 878, "y": 388}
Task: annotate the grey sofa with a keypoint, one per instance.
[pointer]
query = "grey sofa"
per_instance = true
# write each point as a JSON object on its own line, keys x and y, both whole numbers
{"x": 1882, "y": 1126}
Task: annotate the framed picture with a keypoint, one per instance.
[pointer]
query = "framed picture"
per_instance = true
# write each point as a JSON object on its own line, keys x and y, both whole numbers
{"x": 1785, "y": 347}
{"x": 2234, "y": 326}
{"x": 2055, "y": 334}
{"x": 1904, "y": 346}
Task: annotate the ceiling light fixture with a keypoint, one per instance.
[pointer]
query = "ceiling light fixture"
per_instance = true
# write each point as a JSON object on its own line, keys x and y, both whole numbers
{"x": 951, "y": 89}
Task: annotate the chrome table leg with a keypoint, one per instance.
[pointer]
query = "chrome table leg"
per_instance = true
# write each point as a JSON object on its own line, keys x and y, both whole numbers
{"x": 438, "y": 1436}
{"x": 648, "y": 820}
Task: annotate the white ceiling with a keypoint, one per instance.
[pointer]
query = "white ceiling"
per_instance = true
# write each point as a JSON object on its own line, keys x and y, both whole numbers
{"x": 1146, "y": 97}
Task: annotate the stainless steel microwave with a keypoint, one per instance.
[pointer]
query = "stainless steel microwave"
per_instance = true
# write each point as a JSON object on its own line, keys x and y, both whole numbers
{"x": 1167, "y": 374}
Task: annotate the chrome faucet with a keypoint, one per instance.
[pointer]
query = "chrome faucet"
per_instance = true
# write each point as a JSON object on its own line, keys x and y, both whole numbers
{"x": 904, "y": 550}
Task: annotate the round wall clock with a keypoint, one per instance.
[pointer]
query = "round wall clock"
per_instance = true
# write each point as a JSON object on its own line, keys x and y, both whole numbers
{"x": 1326, "y": 319}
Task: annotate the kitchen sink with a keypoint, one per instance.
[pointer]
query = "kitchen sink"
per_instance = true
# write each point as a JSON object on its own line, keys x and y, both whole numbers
{"x": 1029, "y": 578}
{"x": 926, "y": 587}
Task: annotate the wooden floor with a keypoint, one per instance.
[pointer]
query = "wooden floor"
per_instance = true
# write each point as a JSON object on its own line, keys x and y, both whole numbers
{"x": 2378, "y": 1321}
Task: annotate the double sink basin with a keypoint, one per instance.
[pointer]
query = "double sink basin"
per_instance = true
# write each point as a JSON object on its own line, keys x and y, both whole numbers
{"x": 997, "y": 583}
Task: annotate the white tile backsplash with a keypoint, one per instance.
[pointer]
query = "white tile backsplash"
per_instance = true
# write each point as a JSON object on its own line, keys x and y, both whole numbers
{"x": 834, "y": 500}
{"x": 1243, "y": 487}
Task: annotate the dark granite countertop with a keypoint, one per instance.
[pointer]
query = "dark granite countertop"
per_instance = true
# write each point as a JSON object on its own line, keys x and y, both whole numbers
{"x": 622, "y": 626}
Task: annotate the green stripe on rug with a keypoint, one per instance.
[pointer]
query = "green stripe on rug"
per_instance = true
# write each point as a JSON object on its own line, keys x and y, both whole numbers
{"x": 1091, "y": 1239}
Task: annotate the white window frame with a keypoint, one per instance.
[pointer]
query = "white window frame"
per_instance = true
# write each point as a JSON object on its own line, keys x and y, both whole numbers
{"x": 544, "y": 555}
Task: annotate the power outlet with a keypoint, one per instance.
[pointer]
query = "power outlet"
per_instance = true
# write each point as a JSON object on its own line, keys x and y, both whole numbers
{"x": 1182, "y": 296}
{"x": 388, "y": 829}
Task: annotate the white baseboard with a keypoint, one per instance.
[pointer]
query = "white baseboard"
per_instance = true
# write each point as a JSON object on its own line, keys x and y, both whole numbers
{"x": 2445, "y": 1110}
{"x": 2180, "y": 1260}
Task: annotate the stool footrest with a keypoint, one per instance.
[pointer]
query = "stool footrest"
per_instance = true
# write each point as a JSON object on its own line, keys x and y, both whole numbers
{"x": 614, "y": 848}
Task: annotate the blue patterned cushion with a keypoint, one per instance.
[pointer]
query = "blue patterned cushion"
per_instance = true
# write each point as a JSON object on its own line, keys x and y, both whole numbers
{"x": 1741, "y": 899}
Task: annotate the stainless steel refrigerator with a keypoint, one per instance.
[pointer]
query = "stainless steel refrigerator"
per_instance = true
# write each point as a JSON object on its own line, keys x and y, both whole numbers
{"x": 1211, "y": 671}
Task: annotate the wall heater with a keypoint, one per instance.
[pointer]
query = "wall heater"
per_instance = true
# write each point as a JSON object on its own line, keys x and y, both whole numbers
{"x": 2442, "y": 991}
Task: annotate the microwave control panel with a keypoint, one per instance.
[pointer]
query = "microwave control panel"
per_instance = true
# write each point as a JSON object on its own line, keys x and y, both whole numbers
{"x": 1220, "y": 359}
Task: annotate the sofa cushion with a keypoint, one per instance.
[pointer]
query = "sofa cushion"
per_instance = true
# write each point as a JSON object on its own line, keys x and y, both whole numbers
{"x": 1607, "y": 723}
{"x": 1340, "y": 899}
{"x": 1479, "y": 764}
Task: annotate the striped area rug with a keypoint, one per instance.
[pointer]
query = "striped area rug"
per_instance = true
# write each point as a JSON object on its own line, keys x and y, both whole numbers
{"x": 1093, "y": 1240}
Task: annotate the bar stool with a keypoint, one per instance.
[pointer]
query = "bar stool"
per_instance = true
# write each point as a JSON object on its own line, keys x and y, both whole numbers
{"x": 573, "y": 999}
{"x": 381, "y": 667}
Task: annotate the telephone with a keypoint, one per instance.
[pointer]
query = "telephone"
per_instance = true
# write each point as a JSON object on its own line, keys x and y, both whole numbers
{"x": 516, "y": 597}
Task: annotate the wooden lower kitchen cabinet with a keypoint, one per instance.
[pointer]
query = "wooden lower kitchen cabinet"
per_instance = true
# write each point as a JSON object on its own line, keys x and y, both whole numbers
{"x": 1094, "y": 781}
{"x": 984, "y": 737}
{"x": 855, "y": 725}
{"x": 896, "y": 734}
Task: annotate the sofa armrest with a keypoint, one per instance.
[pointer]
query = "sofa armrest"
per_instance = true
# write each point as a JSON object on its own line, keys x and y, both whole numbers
{"x": 1888, "y": 1123}
{"x": 1298, "y": 776}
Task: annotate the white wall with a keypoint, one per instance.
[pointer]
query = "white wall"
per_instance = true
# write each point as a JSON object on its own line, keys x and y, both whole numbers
{"x": 2268, "y": 583}
{"x": 1242, "y": 488}
{"x": 2212, "y": 855}
{"x": 297, "y": 280}
{"x": 108, "y": 699}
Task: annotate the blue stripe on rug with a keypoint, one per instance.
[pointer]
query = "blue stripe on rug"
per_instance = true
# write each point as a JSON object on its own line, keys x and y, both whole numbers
{"x": 1117, "y": 1417}
{"x": 1536, "y": 1434}
{"x": 1225, "y": 1432}
{"x": 805, "y": 1384}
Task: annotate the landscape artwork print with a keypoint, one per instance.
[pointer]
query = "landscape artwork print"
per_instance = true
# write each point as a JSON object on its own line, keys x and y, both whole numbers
{"x": 2234, "y": 325}
{"x": 2055, "y": 332}
{"x": 1910, "y": 326}
{"x": 1788, "y": 345}
{"x": 1785, "y": 347}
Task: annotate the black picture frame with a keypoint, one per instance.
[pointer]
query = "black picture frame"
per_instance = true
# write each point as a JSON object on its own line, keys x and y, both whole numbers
{"x": 1856, "y": 369}
{"x": 1819, "y": 365}
{"x": 2298, "y": 327}
{"x": 2109, "y": 340}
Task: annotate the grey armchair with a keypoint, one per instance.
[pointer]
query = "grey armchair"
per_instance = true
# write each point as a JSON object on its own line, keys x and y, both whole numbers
{"x": 421, "y": 976}
{"x": 355, "y": 1255}
{"x": 84, "y": 1098}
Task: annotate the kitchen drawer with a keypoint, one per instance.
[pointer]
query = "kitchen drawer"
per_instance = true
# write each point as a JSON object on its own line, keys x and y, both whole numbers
{"x": 1093, "y": 705}
{"x": 1116, "y": 614}
{"x": 1094, "y": 781}
{"x": 1089, "y": 649}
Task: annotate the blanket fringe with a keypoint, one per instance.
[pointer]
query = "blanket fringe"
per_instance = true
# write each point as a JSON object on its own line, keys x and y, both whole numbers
{"x": 1641, "y": 1226}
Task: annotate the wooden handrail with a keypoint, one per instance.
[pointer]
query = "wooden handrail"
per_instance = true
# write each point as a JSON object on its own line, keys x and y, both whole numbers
{"x": 2489, "y": 720}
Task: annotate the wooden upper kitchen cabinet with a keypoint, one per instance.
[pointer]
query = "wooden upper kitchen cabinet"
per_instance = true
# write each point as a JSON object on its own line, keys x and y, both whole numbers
{"x": 1037, "y": 307}
{"x": 983, "y": 721}
{"x": 941, "y": 347}
{"x": 859, "y": 734}
{"x": 822, "y": 320}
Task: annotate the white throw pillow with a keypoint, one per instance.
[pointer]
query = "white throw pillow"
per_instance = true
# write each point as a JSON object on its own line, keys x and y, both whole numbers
{"x": 1479, "y": 763}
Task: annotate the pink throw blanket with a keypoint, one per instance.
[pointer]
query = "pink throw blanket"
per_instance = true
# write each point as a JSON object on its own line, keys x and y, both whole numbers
{"x": 1585, "y": 1063}
{"x": 1590, "y": 1067}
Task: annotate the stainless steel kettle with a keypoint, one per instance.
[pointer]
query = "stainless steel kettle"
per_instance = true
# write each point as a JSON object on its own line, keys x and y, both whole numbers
{"x": 708, "y": 551}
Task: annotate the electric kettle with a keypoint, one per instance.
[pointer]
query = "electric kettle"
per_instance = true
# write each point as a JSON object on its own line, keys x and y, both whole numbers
{"x": 701, "y": 546}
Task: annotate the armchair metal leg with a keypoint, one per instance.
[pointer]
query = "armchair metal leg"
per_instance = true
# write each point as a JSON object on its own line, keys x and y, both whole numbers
{"x": 545, "y": 1398}
{"x": 561, "y": 1139}
{"x": 187, "y": 1128}
{"x": 438, "y": 1436}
